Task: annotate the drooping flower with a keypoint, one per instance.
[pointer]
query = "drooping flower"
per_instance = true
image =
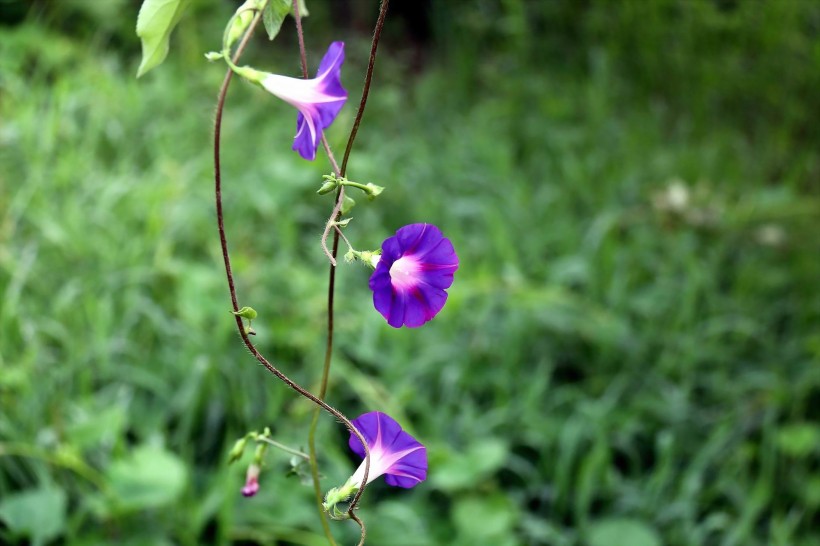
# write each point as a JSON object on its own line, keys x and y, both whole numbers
{"x": 318, "y": 100}
{"x": 396, "y": 455}
{"x": 411, "y": 277}
{"x": 251, "y": 481}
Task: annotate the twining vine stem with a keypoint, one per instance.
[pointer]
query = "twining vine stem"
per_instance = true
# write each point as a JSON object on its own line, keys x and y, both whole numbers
{"x": 232, "y": 288}
{"x": 334, "y": 217}
{"x": 313, "y": 459}
{"x": 368, "y": 78}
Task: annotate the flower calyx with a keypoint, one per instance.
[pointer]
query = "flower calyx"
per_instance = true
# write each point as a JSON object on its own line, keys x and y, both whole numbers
{"x": 333, "y": 182}
{"x": 370, "y": 258}
{"x": 338, "y": 495}
{"x": 248, "y": 313}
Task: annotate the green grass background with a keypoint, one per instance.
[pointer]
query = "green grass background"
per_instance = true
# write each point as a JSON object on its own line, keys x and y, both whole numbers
{"x": 611, "y": 369}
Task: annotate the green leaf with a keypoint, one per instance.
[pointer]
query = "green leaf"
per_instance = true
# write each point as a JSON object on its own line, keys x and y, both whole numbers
{"x": 95, "y": 426}
{"x": 488, "y": 519}
{"x": 622, "y": 532}
{"x": 155, "y": 22}
{"x": 799, "y": 439}
{"x": 38, "y": 514}
{"x": 274, "y": 14}
{"x": 149, "y": 477}
{"x": 463, "y": 470}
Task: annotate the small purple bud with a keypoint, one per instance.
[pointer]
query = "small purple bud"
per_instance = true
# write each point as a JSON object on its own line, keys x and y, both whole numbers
{"x": 251, "y": 481}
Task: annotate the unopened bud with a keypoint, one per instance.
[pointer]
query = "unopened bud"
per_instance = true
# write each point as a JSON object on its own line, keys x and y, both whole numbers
{"x": 251, "y": 481}
{"x": 328, "y": 187}
{"x": 246, "y": 312}
{"x": 237, "y": 450}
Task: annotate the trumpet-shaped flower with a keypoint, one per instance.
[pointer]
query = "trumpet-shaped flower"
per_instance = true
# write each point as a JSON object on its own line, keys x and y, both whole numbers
{"x": 396, "y": 455}
{"x": 318, "y": 100}
{"x": 411, "y": 277}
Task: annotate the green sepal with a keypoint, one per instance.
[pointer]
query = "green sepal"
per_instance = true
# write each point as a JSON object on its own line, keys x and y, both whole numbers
{"x": 250, "y": 74}
{"x": 337, "y": 495}
{"x": 368, "y": 258}
{"x": 373, "y": 190}
{"x": 237, "y": 450}
{"x": 347, "y": 204}
{"x": 246, "y": 312}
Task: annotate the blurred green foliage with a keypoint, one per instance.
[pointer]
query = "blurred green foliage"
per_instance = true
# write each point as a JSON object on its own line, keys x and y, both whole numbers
{"x": 630, "y": 351}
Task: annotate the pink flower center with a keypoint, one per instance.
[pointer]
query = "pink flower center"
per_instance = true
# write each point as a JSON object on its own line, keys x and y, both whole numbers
{"x": 404, "y": 273}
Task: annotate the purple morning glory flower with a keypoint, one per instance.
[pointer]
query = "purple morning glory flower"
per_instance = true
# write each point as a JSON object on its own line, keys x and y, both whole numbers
{"x": 318, "y": 100}
{"x": 393, "y": 453}
{"x": 411, "y": 277}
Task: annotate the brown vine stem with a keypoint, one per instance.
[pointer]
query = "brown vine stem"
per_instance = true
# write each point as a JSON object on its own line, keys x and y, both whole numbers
{"x": 314, "y": 460}
{"x": 220, "y": 107}
{"x": 368, "y": 78}
{"x": 335, "y": 216}
{"x": 329, "y": 224}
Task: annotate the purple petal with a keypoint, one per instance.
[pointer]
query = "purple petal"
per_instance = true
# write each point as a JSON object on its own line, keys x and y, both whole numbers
{"x": 391, "y": 251}
{"x": 409, "y": 471}
{"x": 441, "y": 278}
{"x": 319, "y": 100}
{"x": 434, "y": 300}
{"x": 250, "y": 489}
{"x": 398, "y": 311}
{"x": 415, "y": 310}
{"x": 440, "y": 253}
{"x": 411, "y": 235}
{"x": 332, "y": 61}
{"x": 302, "y": 142}
{"x": 330, "y": 69}
{"x": 389, "y": 303}
{"x": 367, "y": 425}
{"x": 411, "y": 296}
{"x": 386, "y": 440}
{"x": 380, "y": 431}
{"x": 327, "y": 111}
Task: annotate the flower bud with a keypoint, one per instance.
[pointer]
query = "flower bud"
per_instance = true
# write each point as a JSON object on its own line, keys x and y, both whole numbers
{"x": 251, "y": 481}
{"x": 239, "y": 25}
{"x": 246, "y": 312}
{"x": 328, "y": 187}
{"x": 237, "y": 450}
